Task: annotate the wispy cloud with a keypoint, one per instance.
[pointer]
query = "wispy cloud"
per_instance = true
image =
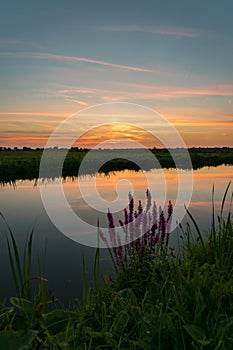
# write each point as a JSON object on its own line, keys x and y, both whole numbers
{"x": 82, "y": 103}
{"x": 171, "y": 31}
{"x": 183, "y": 114}
{"x": 216, "y": 123}
{"x": 135, "y": 92}
{"x": 87, "y": 96}
{"x": 143, "y": 91}
{"x": 50, "y": 56}
{"x": 32, "y": 114}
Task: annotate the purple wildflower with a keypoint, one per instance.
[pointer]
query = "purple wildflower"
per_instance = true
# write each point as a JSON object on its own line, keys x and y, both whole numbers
{"x": 110, "y": 220}
{"x": 148, "y": 204}
{"x": 169, "y": 211}
{"x": 111, "y": 229}
{"x": 121, "y": 223}
{"x": 155, "y": 240}
{"x": 144, "y": 222}
{"x": 154, "y": 213}
{"x": 131, "y": 207}
{"x": 138, "y": 217}
{"x": 110, "y": 278}
{"x": 126, "y": 216}
{"x": 140, "y": 209}
{"x": 162, "y": 226}
{"x": 120, "y": 250}
{"x": 167, "y": 238}
{"x": 145, "y": 228}
{"x": 153, "y": 234}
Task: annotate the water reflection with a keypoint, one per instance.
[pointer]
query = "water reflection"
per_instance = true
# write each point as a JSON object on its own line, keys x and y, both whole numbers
{"x": 23, "y": 209}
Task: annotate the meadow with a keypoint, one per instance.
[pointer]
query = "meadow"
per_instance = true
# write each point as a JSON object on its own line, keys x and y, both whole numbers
{"x": 24, "y": 164}
{"x": 158, "y": 298}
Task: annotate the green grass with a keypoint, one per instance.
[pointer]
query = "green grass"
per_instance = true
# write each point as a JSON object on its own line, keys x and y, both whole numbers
{"x": 177, "y": 300}
{"x": 24, "y": 164}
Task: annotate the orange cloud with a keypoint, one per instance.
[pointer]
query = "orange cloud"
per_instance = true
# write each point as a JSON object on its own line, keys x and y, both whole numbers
{"x": 32, "y": 114}
{"x": 203, "y": 123}
{"x": 137, "y": 92}
{"x": 143, "y": 91}
{"x": 34, "y": 128}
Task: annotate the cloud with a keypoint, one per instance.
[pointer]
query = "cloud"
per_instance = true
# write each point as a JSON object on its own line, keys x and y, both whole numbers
{"x": 171, "y": 31}
{"x": 137, "y": 92}
{"x": 50, "y": 56}
{"x": 216, "y": 123}
{"x": 82, "y": 103}
{"x": 40, "y": 114}
{"x": 142, "y": 91}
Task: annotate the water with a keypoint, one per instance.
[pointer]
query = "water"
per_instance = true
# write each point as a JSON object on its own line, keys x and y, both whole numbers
{"x": 62, "y": 264}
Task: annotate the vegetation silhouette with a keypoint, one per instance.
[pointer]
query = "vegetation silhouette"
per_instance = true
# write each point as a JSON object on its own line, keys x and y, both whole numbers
{"x": 24, "y": 163}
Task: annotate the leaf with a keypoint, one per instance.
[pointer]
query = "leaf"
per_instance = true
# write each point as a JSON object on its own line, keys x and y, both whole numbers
{"x": 17, "y": 340}
{"x": 55, "y": 321}
{"x": 120, "y": 323}
{"x": 205, "y": 342}
{"x": 204, "y": 267}
{"x": 5, "y": 311}
{"x": 22, "y": 304}
{"x": 129, "y": 296}
{"x": 124, "y": 299}
{"x": 195, "y": 332}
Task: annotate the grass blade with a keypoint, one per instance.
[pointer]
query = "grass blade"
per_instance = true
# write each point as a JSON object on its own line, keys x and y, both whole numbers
{"x": 27, "y": 263}
{"x": 196, "y": 227}
{"x": 97, "y": 259}
{"x": 229, "y": 213}
{"x": 12, "y": 265}
{"x": 84, "y": 282}
{"x": 224, "y": 199}
{"x": 17, "y": 259}
{"x": 14, "y": 255}
{"x": 213, "y": 217}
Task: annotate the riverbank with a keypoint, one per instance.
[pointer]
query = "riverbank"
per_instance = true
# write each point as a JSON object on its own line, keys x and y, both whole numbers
{"x": 24, "y": 164}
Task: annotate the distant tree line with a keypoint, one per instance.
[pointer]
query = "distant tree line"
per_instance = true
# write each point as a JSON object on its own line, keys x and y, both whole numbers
{"x": 83, "y": 149}
{"x": 55, "y": 148}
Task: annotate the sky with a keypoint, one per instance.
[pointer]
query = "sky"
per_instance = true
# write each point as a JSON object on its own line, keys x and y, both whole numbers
{"x": 59, "y": 57}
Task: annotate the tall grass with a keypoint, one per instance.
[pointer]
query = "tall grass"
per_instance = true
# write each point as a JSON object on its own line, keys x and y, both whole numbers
{"x": 21, "y": 269}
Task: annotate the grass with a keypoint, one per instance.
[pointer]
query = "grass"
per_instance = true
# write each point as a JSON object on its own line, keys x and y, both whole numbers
{"x": 174, "y": 300}
{"x": 24, "y": 164}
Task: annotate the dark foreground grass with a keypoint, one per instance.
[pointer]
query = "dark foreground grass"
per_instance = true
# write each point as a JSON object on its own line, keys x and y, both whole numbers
{"x": 176, "y": 300}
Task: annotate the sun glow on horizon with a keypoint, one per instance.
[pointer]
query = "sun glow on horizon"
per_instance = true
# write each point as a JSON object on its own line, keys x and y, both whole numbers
{"x": 22, "y": 129}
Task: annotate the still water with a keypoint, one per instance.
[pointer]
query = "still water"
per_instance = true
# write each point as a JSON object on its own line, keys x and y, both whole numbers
{"x": 60, "y": 258}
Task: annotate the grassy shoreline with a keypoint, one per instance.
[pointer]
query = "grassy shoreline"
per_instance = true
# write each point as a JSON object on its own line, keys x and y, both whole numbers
{"x": 174, "y": 300}
{"x": 24, "y": 164}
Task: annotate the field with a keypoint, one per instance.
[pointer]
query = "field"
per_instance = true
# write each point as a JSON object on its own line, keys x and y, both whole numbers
{"x": 24, "y": 164}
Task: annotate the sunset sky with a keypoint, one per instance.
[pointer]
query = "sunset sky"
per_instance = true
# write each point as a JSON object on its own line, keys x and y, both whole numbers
{"x": 58, "y": 57}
